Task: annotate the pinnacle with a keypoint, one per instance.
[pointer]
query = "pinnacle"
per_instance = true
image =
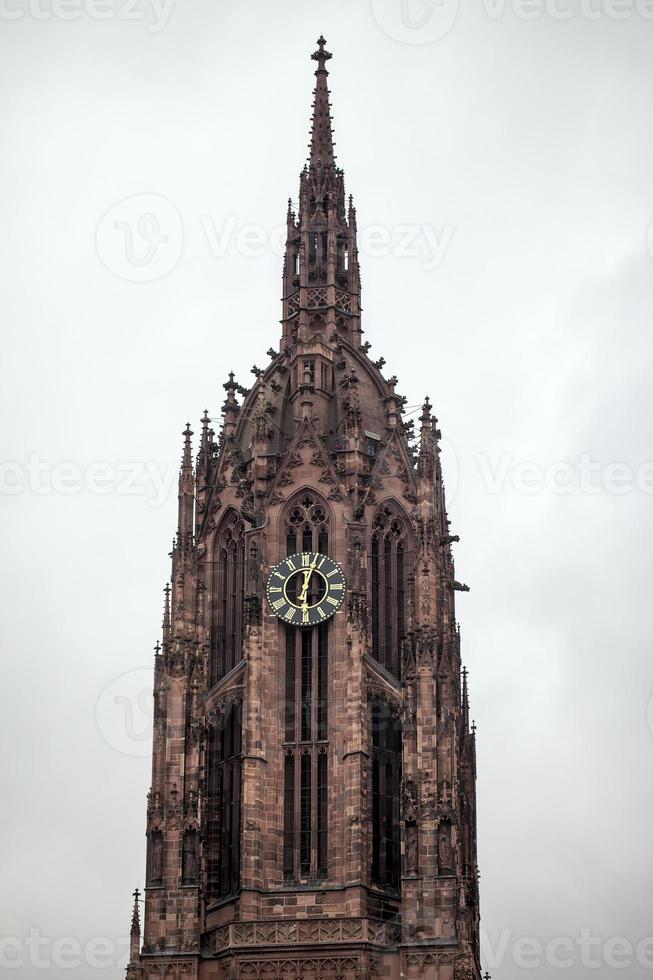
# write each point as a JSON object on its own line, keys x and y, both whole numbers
{"x": 136, "y": 924}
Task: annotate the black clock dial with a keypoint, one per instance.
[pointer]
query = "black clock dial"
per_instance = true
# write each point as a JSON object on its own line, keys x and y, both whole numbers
{"x": 306, "y": 589}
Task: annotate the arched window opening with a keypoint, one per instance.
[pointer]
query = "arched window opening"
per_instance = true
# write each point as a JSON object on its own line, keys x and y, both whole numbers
{"x": 224, "y": 804}
{"x": 228, "y": 598}
{"x": 386, "y": 782}
{"x": 307, "y": 527}
{"x": 305, "y": 830}
{"x": 388, "y": 593}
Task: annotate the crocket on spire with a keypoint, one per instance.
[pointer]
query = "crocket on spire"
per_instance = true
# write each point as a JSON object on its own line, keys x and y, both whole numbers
{"x": 321, "y": 134}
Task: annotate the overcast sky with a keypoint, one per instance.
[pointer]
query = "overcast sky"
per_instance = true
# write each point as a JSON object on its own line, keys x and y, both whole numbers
{"x": 501, "y": 157}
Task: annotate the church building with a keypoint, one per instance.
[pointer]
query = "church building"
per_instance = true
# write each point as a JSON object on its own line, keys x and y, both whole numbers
{"x": 312, "y": 812}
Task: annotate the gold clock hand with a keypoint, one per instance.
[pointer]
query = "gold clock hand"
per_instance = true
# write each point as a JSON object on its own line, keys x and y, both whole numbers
{"x": 302, "y": 594}
{"x": 307, "y": 577}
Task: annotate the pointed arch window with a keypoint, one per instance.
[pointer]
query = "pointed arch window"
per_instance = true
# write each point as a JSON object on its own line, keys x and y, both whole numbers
{"x": 228, "y": 597}
{"x": 224, "y": 803}
{"x": 386, "y": 782}
{"x": 305, "y": 832}
{"x": 388, "y": 587}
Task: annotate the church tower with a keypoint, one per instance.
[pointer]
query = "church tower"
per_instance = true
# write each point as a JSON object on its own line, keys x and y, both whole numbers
{"x": 312, "y": 812}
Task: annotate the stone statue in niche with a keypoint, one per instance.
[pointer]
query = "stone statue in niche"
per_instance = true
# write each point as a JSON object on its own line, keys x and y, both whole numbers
{"x": 157, "y": 858}
{"x": 411, "y": 849}
{"x": 189, "y": 866}
{"x": 445, "y": 853}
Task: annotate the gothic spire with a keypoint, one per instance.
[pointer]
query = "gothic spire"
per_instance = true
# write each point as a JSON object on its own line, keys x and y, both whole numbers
{"x": 321, "y": 133}
{"x": 321, "y": 277}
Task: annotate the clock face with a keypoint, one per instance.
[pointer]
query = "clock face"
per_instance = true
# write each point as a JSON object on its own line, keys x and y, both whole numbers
{"x": 306, "y": 589}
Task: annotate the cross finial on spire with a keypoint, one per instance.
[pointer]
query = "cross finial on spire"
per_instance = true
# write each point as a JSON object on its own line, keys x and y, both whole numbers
{"x": 321, "y": 55}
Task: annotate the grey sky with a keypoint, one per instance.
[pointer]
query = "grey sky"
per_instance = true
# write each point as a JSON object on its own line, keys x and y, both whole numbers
{"x": 502, "y": 174}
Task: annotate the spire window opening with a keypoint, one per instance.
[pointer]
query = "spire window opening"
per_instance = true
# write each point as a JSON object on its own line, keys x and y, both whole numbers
{"x": 312, "y": 247}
